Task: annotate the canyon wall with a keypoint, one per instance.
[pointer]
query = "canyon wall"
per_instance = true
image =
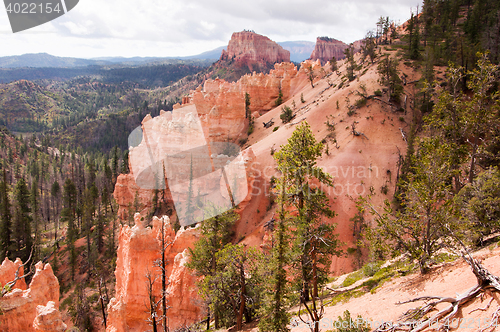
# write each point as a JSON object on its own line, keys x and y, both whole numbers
{"x": 22, "y": 307}
{"x": 214, "y": 112}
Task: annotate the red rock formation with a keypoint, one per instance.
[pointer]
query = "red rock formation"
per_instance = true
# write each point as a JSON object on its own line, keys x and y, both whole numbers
{"x": 221, "y": 108}
{"x": 326, "y": 48}
{"x": 19, "y": 306}
{"x": 264, "y": 88}
{"x": 127, "y": 192}
{"x": 138, "y": 249}
{"x": 257, "y": 52}
{"x": 48, "y": 319}
{"x": 8, "y": 271}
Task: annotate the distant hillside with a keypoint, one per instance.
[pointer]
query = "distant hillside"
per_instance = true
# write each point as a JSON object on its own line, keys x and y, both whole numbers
{"x": 38, "y": 60}
{"x": 44, "y": 60}
{"x": 208, "y": 55}
{"x": 146, "y": 76}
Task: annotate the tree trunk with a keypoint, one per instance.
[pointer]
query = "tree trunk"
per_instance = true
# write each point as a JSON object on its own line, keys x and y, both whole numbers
{"x": 473, "y": 160}
{"x": 315, "y": 274}
{"x": 239, "y": 318}
{"x": 163, "y": 278}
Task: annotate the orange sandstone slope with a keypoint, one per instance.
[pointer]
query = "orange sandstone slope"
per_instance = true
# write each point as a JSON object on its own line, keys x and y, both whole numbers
{"x": 360, "y": 165}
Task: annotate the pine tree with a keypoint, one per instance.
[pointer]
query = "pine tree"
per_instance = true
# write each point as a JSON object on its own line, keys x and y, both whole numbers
{"x": 369, "y": 46}
{"x": 247, "y": 106}
{"x": 22, "y": 220}
{"x": 216, "y": 233}
{"x": 426, "y": 215}
{"x": 314, "y": 242}
{"x": 333, "y": 64}
{"x": 275, "y": 316}
{"x": 68, "y": 214}
{"x": 351, "y": 64}
{"x": 6, "y": 244}
{"x": 236, "y": 285}
{"x": 55, "y": 190}
{"x": 389, "y": 77}
{"x": 34, "y": 198}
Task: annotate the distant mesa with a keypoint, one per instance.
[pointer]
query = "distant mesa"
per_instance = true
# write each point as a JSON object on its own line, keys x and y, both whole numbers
{"x": 327, "y": 47}
{"x": 257, "y": 52}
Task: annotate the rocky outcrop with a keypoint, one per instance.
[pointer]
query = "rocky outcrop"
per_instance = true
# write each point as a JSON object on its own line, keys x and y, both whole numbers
{"x": 130, "y": 197}
{"x": 221, "y": 108}
{"x": 255, "y": 51}
{"x": 214, "y": 114}
{"x": 19, "y": 306}
{"x": 138, "y": 249}
{"x": 8, "y": 271}
{"x": 48, "y": 319}
{"x": 326, "y": 48}
{"x": 264, "y": 89}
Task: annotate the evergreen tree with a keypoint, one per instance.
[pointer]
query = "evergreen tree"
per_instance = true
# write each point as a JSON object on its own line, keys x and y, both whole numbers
{"x": 333, "y": 64}
{"x": 236, "y": 284}
{"x": 34, "y": 198}
{"x": 6, "y": 243}
{"x": 478, "y": 205}
{"x": 279, "y": 100}
{"x": 275, "y": 316}
{"x": 216, "y": 233}
{"x": 351, "y": 64}
{"x": 418, "y": 228}
{"x": 68, "y": 214}
{"x": 389, "y": 77}
{"x": 247, "y": 106}
{"x": 368, "y": 46}
{"x": 315, "y": 242}
{"x": 55, "y": 190}
{"x": 22, "y": 220}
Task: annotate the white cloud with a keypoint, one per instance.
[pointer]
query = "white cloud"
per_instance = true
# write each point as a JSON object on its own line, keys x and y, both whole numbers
{"x": 173, "y": 27}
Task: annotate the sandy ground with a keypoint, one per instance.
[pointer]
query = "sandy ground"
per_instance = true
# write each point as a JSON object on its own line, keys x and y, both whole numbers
{"x": 446, "y": 279}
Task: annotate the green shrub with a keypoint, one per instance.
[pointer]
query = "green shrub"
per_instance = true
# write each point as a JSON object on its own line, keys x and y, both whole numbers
{"x": 352, "y": 278}
{"x": 348, "y": 324}
{"x": 378, "y": 93}
{"x": 276, "y": 128}
{"x": 371, "y": 268}
{"x": 360, "y": 102}
{"x": 384, "y": 189}
{"x": 286, "y": 114}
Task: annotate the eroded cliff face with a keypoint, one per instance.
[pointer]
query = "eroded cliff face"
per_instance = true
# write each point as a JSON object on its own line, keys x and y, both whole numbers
{"x": 326, "y": 48}
{"x": 258, "y": 52}
{"x": 264, "y": 89}
{"x": 214, "y": 112}
{"x": 138, "y": 249}
{"x": 20, "y": 306}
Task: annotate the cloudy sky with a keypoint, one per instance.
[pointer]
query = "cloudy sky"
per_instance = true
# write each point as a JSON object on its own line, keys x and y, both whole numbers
{"x": 98, "y": 28}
